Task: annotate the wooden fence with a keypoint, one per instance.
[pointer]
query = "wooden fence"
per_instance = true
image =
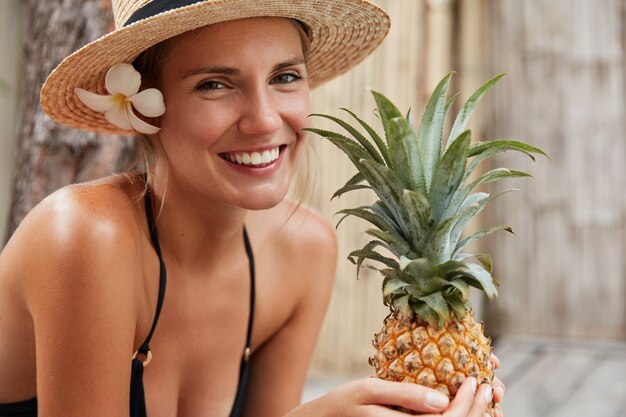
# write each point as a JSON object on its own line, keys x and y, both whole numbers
{"x": 563, "y": 274}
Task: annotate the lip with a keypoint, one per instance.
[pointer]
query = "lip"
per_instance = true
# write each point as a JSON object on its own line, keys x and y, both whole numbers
{"x": 255, "y": 170}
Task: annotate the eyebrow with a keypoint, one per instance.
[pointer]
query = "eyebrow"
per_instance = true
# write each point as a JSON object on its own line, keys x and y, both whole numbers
{"x": 235, "y": 71}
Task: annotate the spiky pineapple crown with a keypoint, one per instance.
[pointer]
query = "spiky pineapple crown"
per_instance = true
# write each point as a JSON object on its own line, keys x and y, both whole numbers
{"x": 426, "y": 200}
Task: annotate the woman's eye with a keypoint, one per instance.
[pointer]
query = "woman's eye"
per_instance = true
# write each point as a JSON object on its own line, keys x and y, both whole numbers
{"x": 210, "y": 85}
{"x": 286, "y": 78}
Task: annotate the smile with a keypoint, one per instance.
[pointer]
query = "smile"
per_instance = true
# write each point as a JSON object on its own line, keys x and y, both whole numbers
{"x": 255, "y": 158}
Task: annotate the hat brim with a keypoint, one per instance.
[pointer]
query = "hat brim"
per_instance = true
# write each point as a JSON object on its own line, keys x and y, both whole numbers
{"x": 342, "y": 34}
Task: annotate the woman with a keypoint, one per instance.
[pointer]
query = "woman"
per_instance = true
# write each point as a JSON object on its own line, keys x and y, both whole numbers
{"x": 101, "y": 277}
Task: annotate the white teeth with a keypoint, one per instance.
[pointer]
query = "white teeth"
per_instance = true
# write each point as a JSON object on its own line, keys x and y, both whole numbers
{"x": 254, "y": 158}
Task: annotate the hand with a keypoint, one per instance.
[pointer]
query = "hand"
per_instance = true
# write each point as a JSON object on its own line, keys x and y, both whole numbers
{"x": 498, "y": 388}
{"x": 372, "y": 397}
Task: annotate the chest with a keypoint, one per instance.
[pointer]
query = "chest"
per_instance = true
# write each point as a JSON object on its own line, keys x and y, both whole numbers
{"x": 200, "y": 338}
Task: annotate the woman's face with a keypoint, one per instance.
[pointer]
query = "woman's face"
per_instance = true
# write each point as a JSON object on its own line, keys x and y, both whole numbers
{"x": 237, "y": 98}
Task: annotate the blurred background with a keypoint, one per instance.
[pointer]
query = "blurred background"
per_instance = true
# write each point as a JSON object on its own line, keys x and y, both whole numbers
{"x": 559, "y": 326}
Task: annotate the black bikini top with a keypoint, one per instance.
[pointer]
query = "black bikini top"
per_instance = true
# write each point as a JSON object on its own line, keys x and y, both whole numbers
{"x": 144, "y": 355}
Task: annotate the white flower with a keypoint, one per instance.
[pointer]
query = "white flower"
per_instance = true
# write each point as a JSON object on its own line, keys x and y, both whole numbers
{"x": 123, "y": 82}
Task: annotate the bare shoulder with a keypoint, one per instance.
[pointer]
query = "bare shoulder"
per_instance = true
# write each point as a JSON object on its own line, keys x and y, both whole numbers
{"x": 75, "y": 228}
{"x": 299, "y": 247}
{"x": 74, "y": 263}
{"x": 300, "y": 231}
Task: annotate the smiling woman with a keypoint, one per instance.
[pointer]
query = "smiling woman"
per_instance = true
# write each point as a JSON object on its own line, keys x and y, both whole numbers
{"x": 219, "y": 91}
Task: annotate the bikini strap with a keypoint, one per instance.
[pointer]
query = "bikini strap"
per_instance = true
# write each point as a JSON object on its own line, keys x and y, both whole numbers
{"x": 145, "y": 346}
{"x": 248, "y": 246}
{"x": 244, "y": 367}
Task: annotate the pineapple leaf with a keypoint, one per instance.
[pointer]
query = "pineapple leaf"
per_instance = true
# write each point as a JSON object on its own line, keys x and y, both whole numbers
{"x": 448, "y": 175}
{"x": 449, "y": 269}
{"x": 431, "y": 130}
{"x": 352, "y": 149}
{"x": 462, "y": 118}
{"x": 356, "y": 134}
{"x": 482, "y": 233}
{"x": 380, "y": 208}
{"x": 502, "y": 145}
{"x": 374, "y": 218}
{"x": 420, "y": 215}
{"x": 484, "y": 258}
{"x": 393, "y": 287}
{"x": 480, "y": 278}
{"x": 451, "y": 102}
{"x": 439, "y": 247}
{"x": 390, "y": 273}
{"x": 457, "y": 303}
{"x": 409, "y": 118}
{"x": 353, "y": 183}
{"x": 387, "y": 111}
{"x": 350, "y": 187}
{"x": 483, "y": 150}
{"x": 384, "y": 151}
{"x": 495, "y": 175}
{"x": 362, "y": 254}
{"x": 462, "y": 287}
{"x": 396, "y": 245}
{"x": 388, "y": 187}
{"x": 402, "y": 143}
{"x": 423, "y": 311}
{"x": 439, "y": 305}
{"x": 403, "y": 147}
{"x": 402, "y": 305}
{"x": 467, "y": 214}
{"x": 418, "y": 269}
{"x": 424, "y": 277}
{"x": 460, "y": 198}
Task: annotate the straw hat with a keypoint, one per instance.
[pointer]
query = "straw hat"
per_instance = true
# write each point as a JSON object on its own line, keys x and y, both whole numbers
{"x": 342, "y": 34}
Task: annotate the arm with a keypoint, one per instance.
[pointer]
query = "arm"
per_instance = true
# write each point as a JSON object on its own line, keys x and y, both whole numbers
{"x": 79, "y": 289}
{"x": 372, "y": 397}
{"x": 279, "y": 366}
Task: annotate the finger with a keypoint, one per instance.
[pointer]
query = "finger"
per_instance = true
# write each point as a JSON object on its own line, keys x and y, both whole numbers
{"x": 498, "y": 390}
{"x": 386, "y": 411}
{"x": 463, "y": 400}
{"x": 498, "y": 411}
{"x": 411, "y": 396}
{"x": 481, "y": 401}
{"x": 495, "y": 361}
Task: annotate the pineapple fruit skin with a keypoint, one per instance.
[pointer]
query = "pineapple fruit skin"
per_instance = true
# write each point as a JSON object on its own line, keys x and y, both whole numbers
{"x": 438, "y": 357}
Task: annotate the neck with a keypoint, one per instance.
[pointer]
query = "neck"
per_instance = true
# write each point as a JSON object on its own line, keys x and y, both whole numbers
{"x": 193, "y": 230}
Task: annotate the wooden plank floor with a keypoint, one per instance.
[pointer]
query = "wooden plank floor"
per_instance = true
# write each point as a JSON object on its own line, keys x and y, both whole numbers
{"x": 547, "y": 378}
{"x": 563, "y": 378}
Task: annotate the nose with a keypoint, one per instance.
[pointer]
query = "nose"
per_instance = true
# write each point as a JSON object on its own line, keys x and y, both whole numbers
{"x": 261, "y": 115}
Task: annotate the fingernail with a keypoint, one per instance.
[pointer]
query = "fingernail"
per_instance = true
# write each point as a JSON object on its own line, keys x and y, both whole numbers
{"x": 488, "y": 393}
{"x": 500, "y": 392}
{"x": 436, "y": 400}
{"x": 474, "y": 383}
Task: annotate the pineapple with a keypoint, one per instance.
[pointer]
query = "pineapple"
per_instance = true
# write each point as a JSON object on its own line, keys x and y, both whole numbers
{"x": 426, "y": 198}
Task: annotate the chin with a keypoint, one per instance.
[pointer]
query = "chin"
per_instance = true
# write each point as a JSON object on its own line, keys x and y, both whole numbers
{"x": 262, "y": 202}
